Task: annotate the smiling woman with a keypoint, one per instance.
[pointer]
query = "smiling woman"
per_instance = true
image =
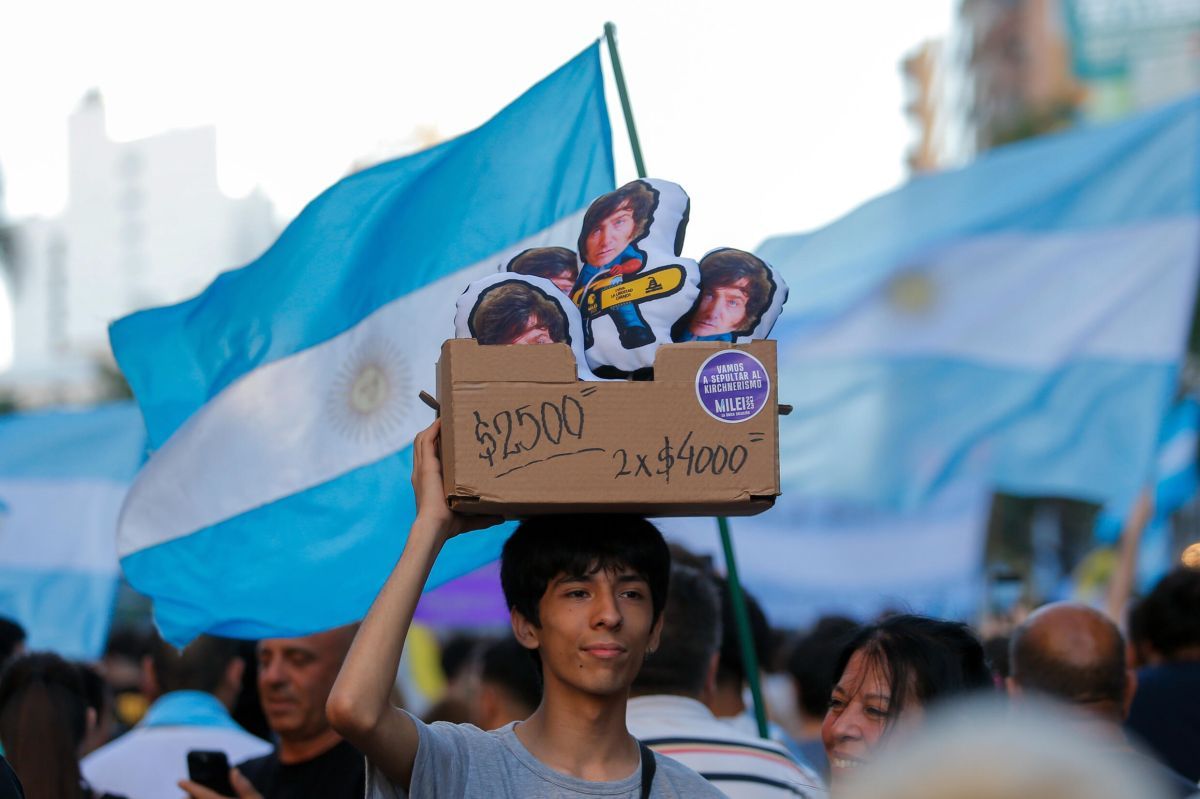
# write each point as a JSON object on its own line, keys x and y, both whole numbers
{"x": 888, "y": 675}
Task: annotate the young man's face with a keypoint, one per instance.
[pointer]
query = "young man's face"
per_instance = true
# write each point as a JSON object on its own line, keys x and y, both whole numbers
{"x": 606, "y": 241}
{"x": 722, "y": 309}
{"x": 595, "y": 630}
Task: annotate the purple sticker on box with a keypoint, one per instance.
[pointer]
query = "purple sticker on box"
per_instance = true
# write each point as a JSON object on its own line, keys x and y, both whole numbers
{"x": 732, "y": 386}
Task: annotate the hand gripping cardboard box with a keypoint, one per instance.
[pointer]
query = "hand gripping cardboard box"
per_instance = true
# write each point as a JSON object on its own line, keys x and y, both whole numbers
{"x": 522, "y": 436}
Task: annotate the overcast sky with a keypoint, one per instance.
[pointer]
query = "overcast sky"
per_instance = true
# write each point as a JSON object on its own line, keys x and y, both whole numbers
{"x": 775, "y": 116}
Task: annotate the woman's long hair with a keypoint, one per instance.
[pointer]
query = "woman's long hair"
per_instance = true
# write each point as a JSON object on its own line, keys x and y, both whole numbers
{"x": 923, "y": 659}
{"x": 43, "y": 718}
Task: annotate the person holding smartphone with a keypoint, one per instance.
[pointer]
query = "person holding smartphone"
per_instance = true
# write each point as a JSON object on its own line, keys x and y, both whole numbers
{"x": 312, "y": 760}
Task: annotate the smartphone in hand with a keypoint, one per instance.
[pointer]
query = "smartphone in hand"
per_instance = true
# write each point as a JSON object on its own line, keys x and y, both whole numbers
{"x": 210, "y": 769}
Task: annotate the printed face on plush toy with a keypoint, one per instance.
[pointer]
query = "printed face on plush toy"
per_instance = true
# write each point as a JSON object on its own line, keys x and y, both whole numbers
{"x": 535, "y": 333}
{"x": 722, "y": 309}
{"x": 611, "y": 236}
{"x": 517, "y": 313}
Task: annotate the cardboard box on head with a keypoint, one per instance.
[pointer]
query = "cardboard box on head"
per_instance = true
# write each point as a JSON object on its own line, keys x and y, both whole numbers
{"x": 522, "y": 436}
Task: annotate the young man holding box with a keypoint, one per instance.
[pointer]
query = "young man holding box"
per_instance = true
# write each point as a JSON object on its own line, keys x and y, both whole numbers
{"x": 586, "y": 595}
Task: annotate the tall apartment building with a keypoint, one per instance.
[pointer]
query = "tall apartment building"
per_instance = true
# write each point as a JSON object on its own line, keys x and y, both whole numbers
{"x": 1011, "y": 69}
{"x": 145, "y": 224}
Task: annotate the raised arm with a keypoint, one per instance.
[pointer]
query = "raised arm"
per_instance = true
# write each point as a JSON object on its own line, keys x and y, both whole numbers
{"x": 359, "y": 706}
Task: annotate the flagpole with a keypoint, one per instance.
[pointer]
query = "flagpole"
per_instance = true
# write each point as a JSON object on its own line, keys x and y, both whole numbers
{"x": 610, "y": 33}
{"x": 737, "y": 597}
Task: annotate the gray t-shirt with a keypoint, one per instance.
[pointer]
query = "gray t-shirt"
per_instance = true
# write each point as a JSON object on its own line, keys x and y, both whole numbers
{"x": 461, "y": 760}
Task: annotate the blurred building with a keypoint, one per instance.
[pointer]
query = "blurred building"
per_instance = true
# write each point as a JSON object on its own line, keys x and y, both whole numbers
{"x": 1012, "y": 69}
{"x": 145, "y": 224}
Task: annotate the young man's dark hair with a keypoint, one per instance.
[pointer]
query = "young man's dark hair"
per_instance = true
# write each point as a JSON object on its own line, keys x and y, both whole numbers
{"x": 637, "y": 196}
{"x": 507, "y": 310}
{"x": 691, "y": 636}
{"x": 544, "y": 547}
{"x": 547, "y": 262}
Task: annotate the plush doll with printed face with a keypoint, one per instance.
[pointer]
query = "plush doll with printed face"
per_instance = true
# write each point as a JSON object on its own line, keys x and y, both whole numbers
{"x": 741, "y": 296}
{"x": 633, "y": 285}
{"x": 511, "y": 308}
{"x": 557, "y": 264}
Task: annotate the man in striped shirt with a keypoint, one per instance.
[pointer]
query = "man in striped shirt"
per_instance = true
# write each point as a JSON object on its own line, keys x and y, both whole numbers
{"x": 667, "y": 710}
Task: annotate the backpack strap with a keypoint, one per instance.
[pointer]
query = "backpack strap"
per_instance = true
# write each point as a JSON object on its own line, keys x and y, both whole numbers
{"x": 648, "y": 767}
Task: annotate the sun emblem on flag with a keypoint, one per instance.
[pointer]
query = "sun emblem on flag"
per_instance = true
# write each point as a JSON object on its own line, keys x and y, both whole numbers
{"x": 369, "y": 399}
{"x": 912, "y": 292}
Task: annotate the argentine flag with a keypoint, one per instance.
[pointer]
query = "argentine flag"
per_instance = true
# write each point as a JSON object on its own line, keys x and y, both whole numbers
{"x": 282, "y": 401}
{"x": 1019, "y": 322}
{"x": 63, "y": 476}
{"x": 1175, "y": 483}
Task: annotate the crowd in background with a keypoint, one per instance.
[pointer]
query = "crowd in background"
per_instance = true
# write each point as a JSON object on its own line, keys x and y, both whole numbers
{"x": 859, "y": 709}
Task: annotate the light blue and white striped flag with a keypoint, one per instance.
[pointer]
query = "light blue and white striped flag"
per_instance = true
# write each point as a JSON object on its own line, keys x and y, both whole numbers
{"x": 1175, "y": 484}
{"x": 282, "y": 401}
{"x": 1019, "y": 322}
{"x": 63, "y": 475}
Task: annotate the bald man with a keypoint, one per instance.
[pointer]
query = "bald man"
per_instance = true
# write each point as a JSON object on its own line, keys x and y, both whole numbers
{"x": 312, "y": 761}
{"x": 1073, "y": 654}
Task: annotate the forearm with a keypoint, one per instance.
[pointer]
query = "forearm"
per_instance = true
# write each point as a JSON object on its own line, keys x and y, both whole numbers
{"x": 359, "y": 705}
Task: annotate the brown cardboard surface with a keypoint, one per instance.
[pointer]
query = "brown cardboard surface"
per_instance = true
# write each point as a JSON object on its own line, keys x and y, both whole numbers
{"x": 521, "y": 436}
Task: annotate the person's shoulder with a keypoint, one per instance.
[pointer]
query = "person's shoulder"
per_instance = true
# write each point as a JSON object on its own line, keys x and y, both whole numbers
{"x": 681, "y": 780}
{"x": 257, "y": 766}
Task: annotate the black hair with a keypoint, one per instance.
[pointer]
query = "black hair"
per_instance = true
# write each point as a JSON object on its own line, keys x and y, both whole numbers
{"x": 691, "y": 635}
{"x": 458, "y": 653}
{"x": 12, "y": 635}
{"x": 1168, "y": 618}
{"x": 934, "y": 659}
{"x": 544, "y": 547}
{"x": 506, "y": 663}
{"x": 732, "y": 668}
{"x": 1037, "y": 669}
{"x": 200, "y": 666}
{"x": 996, "y": 650}
{"x": 95, "y": 689}
{"x": 813, "y": 659}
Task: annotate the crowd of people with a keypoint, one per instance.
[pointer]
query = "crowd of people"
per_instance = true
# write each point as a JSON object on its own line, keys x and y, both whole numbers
{"x": 622, "y": 676}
